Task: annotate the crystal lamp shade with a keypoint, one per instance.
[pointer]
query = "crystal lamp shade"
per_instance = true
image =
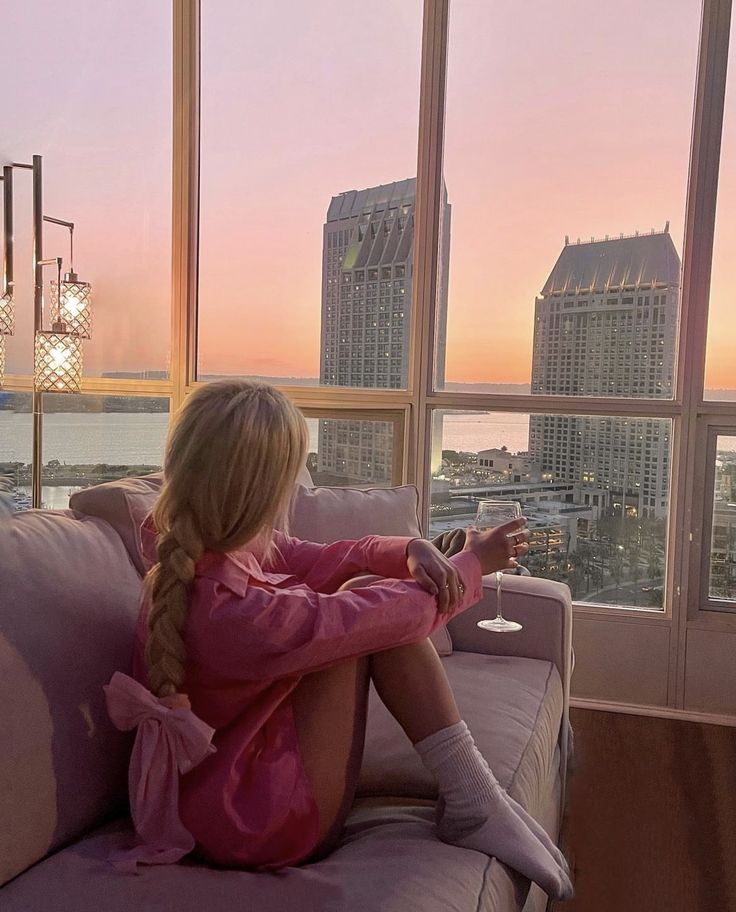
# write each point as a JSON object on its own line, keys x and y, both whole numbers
{"x": 7, "y": 314}
{"x": 58, "y": 362}
{"x": 73, "y": 305}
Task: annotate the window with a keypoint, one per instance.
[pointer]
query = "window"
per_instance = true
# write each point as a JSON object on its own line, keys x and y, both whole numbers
{"x": 86, "y": 440}
{"x": 720, "y": 579}
{"x": 91, "y": 93}
{"x": 280, "y": 264}
{"x": 544, "y": 206}
{"x": 290, "y": 186}
{"x": 720, "y": 373}
{"x": 598, "y": 517}
{"x": 352, "y": 451}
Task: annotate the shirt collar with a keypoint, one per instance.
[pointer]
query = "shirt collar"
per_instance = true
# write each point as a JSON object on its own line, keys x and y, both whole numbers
{"x": 233, "y": 568}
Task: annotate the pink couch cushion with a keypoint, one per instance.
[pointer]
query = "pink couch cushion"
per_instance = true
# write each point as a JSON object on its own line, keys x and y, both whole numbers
{"x": 389, "y": 861}
{"x": 330, "y": 514}
{"x": 124, "y": 504}
{"x": 513, "y": 707}
{"x": 68, "y": 602}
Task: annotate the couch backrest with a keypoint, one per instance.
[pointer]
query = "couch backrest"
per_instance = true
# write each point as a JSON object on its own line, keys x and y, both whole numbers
{"x": 68, "y": 601}
{"x": 320, "y": 514}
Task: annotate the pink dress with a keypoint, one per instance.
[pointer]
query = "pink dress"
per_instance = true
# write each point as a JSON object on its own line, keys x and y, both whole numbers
{"x": 252, "y": 632}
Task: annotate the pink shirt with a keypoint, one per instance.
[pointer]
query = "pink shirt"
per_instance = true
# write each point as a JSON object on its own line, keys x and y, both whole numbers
{"x": 253, "y": 630}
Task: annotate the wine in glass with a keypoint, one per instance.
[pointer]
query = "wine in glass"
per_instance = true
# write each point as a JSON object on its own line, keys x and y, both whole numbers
{"x": 492, "y": 513}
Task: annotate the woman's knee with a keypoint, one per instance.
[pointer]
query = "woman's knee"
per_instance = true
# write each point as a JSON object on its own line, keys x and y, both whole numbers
{"x": 361, "y": 579}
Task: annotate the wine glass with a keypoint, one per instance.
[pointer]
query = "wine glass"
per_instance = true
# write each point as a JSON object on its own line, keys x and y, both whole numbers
{"x": 492, "y": 513}
{"x": 499, "y": 624}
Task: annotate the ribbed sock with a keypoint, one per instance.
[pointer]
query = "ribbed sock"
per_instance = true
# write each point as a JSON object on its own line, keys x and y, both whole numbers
{"x": 476, "y": 813}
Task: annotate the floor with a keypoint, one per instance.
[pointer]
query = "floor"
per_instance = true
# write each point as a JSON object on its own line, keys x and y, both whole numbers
{"x": 651, "y": 815}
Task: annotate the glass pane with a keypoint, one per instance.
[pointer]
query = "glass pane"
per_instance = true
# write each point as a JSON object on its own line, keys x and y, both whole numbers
{"x": 16, "y": 445}
{"x": 566, "y": 160}
{"x": 309, "y": 146}
{"x": 720, "y": 371}
{"x": 594, "y": 491}
{"x": 723, "y": 539}
{"x": 91, "y": 92}
{"x": 350, "y": 452}
{"x": 86, "y": 440}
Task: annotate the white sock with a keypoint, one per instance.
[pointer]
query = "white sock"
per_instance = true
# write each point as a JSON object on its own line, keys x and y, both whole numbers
{"x": 476, "y": 813}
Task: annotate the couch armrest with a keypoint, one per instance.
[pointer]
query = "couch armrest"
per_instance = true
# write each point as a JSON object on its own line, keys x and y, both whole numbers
{"x": 544, "y": 608}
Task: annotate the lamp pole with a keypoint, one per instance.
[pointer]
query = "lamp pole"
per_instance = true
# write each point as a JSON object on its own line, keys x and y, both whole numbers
{"x": 37, "y": 326}
{"x": 37, "y": 204}
{"x": 57, "y": 362}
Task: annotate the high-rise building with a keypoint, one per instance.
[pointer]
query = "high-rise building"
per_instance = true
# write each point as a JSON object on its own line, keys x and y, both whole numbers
{"x": 367, "y": 269}
{"x": 605, "y": 324}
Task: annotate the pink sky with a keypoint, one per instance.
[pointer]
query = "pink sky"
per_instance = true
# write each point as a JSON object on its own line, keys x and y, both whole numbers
{"x": 562, "y": 119}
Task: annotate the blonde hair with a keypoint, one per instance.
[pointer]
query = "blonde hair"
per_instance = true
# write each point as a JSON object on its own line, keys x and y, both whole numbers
{"x": 232, "y": 457}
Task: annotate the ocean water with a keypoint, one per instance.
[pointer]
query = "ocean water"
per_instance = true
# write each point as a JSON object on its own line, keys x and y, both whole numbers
{"x": 123, "y": 438}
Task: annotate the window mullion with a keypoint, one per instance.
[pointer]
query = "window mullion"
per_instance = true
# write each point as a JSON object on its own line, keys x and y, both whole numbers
{"x": 687, "y": 489}
{"x": 426, "y": 238}
{"x": 185, "y": 196}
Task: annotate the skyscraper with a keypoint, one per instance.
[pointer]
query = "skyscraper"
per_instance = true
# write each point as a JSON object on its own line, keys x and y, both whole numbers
{"x": 367, "y": 269}
{"x": 605, "y": 324}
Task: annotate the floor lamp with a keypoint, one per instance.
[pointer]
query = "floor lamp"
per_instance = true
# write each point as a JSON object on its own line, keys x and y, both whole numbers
{"x": 57, "y": 361}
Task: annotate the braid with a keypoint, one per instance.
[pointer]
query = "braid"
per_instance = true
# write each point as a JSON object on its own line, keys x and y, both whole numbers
{"x": 179, "y": 548}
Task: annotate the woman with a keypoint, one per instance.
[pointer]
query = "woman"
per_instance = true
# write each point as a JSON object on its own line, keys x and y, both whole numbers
{"x": 264, "y": 645}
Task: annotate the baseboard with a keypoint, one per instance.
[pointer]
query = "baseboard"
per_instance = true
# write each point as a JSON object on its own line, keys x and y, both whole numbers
{"x": 660, "y": 712}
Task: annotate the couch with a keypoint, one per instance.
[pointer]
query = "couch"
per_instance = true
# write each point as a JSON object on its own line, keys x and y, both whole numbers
{"x": 69, "y": 593}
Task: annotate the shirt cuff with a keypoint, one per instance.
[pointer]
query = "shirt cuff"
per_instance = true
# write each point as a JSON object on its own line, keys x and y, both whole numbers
{"x": 471, "y": 576}
{"x": 388, "y": 555}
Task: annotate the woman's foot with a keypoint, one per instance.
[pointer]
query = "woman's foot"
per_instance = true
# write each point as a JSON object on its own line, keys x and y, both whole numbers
{"x": 496, "y": 829}
{"x": 539, "y": 832}
{"x": 476, "y": 813}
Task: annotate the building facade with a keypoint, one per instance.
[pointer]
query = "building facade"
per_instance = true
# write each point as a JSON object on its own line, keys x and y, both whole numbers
{"x": 367, "y": 270}
{"x": 605, "y": 324}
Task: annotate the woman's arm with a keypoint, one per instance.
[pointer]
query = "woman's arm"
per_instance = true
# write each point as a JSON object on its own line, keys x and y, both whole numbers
{"x": 325, "y": 568}
{"x": 271, "y": 632}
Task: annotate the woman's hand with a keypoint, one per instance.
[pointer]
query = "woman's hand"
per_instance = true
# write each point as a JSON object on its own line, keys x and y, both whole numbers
{"x": 435, "y": 573}
{"x": 499, "y": 548}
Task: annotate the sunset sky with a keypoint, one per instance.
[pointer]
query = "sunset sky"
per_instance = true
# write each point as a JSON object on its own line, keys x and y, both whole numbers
{"x": 568, "y": 118}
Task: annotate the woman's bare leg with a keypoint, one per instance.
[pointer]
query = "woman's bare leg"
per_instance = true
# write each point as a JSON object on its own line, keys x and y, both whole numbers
{"x": 330, "y": 708}
{"x": 412, "y": 684}
{"x": 330, "y": 714}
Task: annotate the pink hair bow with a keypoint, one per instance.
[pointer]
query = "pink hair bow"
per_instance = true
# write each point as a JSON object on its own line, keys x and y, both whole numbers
{"x": 170, "y": 740}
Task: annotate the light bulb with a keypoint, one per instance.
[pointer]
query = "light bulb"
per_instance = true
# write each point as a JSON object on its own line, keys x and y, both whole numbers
{"x": 71, "y": 304}
{"x": 58, "y": 361}
{"x": 59, "y": 356}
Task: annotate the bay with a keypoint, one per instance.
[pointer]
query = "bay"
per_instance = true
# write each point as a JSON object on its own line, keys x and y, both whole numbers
{"x": 135, "y": 438}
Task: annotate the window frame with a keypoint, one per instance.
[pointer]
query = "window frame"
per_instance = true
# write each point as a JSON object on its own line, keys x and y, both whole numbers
{"x": 411, "y": 409}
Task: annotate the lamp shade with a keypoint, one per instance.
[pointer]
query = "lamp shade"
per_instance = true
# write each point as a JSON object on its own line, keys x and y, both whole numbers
{"x": 58, "y": 361}
{"x": 7, "y": 314}
{"x": 71, "y": 304}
